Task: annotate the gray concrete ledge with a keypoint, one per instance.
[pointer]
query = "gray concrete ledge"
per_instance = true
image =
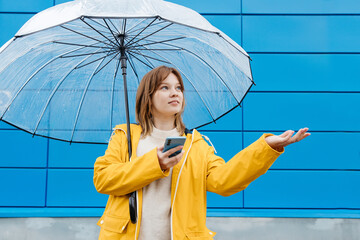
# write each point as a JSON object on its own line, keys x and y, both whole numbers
{"x": 226, "y": 228}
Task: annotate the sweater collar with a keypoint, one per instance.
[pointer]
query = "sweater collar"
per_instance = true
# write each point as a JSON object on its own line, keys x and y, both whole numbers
{"x": 157, "y": 133}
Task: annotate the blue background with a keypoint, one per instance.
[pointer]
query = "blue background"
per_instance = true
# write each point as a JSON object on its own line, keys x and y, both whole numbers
{"x": 306, "y": 58}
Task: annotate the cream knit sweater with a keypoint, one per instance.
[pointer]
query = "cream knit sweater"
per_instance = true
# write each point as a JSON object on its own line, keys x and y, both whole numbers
{"x": 156, "y": 206}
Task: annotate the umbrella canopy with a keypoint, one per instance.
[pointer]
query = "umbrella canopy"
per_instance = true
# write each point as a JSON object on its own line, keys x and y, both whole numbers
{"x": 60, "y": 76}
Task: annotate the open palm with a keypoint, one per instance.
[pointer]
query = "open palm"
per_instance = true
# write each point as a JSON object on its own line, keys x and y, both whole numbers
{"x": 286, "y": 138}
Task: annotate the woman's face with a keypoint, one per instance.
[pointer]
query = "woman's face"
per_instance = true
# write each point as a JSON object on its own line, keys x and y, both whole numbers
{"x": 168, "y": 98}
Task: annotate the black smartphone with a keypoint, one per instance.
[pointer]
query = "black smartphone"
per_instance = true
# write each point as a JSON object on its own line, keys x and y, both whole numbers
{"x": 172, "y": 142}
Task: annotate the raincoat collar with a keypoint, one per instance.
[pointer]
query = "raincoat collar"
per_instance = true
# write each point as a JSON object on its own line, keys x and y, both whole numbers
{"x": 136, "y": 132}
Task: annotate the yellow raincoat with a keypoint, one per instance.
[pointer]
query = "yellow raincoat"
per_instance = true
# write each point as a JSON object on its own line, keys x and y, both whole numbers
{"x": 199, "y": 170}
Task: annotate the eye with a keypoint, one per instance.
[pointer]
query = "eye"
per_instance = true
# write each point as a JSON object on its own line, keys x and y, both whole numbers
{"x": 164, "y": 87}
{"x": 178, "y": 88}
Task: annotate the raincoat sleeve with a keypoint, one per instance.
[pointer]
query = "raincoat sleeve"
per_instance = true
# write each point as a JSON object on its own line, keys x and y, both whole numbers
{"x": 115, "y": 175}
{"x": 235, "y": 175}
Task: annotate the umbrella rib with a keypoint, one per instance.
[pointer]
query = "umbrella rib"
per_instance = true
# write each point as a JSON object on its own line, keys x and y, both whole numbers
{"x": 35, "y": 47}
{"x": 103, "y": 57}
{"x": 133, "y": 68}
{"x": 150, "y": 34}
{"x": 208, "y": 66}
{"x": 96, "y": 22}
{"x": 86, "y": 36}
{"x": 159, "y": 35}
{"x": 83, "y": 97}
{"x": 117, "y": 30}
{"x": 146, "y": 56}
{"x": 169, "y": 40}
{"x": 111, "y": 31}
{"x": 106, "y": 64}
{"x": 33, "y": 75}
{"x": 112, "y": 93}
{"x": 54, "y": 91}
{"x": 150, "y": 26}
{"x": 85, "y": 54}
{"x": 215, "y": 73}
{"x": 129, "y": 30}
{"x": 212, "y": 68}
{"x": 82, "y": 19}
{"x": 83, "y": 45}
{"x": 158, "y": 49}
{"x": 171, "y": 45}
{"x": 152, "y": 65}
{"x": 140, "y": 60}
{"x": 141, "y": 31}
{"x": 208, "y": 109}
{"x": 83, "y": 27}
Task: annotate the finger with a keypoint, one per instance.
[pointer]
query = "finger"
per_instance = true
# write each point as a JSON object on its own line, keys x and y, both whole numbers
{"x": 306, "y": 129}
{"x": 284, "y": 134}
{"x": 160, "y": 152}
{"x": 173, "y": 150}
{"x": 300, "y": 134}
{"x": 287, "y": 139}
{"x": 304, "y": 134}
{"x": 288, "y": 135}
{"x": 178, "y": 157}
{"x": 301, "y": 130}
{"x": 175, "y": 160}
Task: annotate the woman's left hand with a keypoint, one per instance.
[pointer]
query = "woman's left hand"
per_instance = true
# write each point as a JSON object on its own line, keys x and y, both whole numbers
{"x": 278, "y": 142}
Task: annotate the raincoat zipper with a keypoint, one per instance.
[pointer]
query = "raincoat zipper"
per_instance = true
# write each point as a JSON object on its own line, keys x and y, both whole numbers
{"x": 177, "y": 183}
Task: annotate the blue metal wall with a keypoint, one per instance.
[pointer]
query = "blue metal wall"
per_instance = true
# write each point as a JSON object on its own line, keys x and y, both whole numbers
{"x": 306, "y": 58}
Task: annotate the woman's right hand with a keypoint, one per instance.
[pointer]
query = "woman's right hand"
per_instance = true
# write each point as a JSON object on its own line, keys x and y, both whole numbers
{"x": 167, "y": 162}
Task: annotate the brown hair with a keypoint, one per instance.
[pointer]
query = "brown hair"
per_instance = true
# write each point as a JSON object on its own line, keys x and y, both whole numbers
{"x": 147, "y": 87}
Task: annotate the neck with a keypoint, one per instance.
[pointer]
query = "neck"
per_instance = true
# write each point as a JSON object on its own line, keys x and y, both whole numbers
{"x": 165, "y": 124}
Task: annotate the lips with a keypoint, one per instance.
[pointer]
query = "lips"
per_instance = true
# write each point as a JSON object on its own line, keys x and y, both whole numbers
{"x": 174, "y": 102}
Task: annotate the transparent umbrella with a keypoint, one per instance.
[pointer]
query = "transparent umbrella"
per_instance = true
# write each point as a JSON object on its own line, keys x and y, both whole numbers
{"x": 60, "y": 76}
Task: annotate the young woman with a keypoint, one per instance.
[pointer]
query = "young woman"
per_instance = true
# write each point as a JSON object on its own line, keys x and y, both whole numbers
{"x": 171, "y": 191}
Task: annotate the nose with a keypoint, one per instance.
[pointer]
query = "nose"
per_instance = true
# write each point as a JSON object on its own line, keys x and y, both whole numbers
{"x": 173, "y": 92}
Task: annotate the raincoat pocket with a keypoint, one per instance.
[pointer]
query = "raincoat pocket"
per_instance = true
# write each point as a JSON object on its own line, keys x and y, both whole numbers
{"x": 113, "y": 223}
{"x": 200, "y": 235}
